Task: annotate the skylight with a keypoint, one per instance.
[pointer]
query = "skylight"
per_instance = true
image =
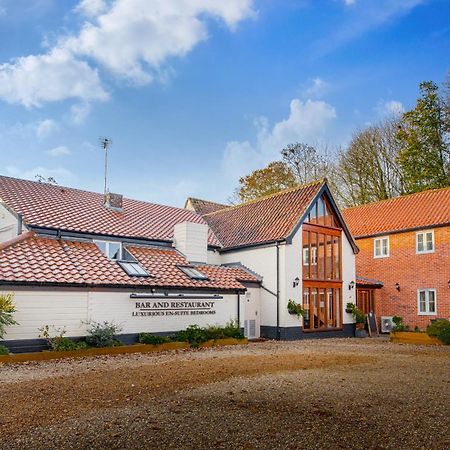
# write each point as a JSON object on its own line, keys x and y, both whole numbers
{"x": 133, "y": 268}
{"x": 193, "y": 273}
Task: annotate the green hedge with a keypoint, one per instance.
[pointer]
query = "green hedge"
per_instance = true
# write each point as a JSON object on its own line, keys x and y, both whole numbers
{"x": 440, "y": 329}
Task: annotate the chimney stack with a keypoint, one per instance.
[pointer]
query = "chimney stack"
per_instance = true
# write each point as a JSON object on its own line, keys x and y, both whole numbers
{"x": 114, "y": 201}
{"x": 191, "y": 239}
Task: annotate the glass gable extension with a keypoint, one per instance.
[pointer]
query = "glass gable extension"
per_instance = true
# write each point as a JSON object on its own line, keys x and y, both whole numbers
{"x": 322, "y": 268}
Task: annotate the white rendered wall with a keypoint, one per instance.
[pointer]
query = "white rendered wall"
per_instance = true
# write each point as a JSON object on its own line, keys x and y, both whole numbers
{"x": 73, "y": 309}
{"x": 191, "y": 239}
{"x": 263, "y": 261}
{"x": 8, "y": 225}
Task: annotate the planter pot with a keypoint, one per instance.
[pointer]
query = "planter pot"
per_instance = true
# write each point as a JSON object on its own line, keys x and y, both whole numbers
{"x": 360, "y": 326}
{"x": 361, "y": 333}
{"x": 348, "y": 310}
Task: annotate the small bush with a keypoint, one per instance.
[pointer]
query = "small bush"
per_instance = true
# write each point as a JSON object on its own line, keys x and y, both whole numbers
{"x": 440, "y": 329}
{"x": 7, "y": 309}
{"x": 398, "y": 324}
{"x": 232, "y": 330}
{"x": 152, "y": 339}
{"x": 356, "y": 313}
{"x": 192, "y": 334}
{"x": 60, "y": 343}
{"x": 3, "y": 350}
{"x": 295, "y": 309}
{"x": 103, "y": 334}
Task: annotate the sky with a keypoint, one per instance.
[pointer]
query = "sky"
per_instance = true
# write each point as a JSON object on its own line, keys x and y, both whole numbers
{"x": 196, "y": 93}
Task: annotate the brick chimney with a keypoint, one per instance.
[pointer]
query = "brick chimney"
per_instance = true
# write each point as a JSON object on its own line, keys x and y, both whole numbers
{"x": 114, "y": 201}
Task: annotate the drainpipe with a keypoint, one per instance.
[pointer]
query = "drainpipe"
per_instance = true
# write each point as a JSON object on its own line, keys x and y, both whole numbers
{"x": 239, "y": 309}
{"x": 278, "y": 293}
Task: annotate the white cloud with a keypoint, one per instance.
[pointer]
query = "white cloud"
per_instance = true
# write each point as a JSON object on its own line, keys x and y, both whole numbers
{"x": 79, "y": 113}
{"x": 133, "y": 39}
{"x": 307, "y": 122}
{"x": 34, "y": 80}
{"x": 45, "y": 128}
{"x": 91, "y": 8}
{"x": 349, "y": 2}
{"x": 60, "y": 174}
{"x": 59, "y": 151}
{"x": 317, "y": 88}
{"x": 389, "y": 108}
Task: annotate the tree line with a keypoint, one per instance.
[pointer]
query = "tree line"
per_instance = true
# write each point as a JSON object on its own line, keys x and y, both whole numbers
{"x": 400, "y": 155}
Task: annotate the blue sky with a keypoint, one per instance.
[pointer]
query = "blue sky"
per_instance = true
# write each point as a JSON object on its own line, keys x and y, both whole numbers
{"x": 195, "y": 93}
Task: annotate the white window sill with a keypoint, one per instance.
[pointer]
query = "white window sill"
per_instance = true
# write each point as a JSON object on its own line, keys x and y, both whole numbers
{"x": 424, "y": 252}
{"x": 381, "y": 256}
{"x": 427, "y": 313}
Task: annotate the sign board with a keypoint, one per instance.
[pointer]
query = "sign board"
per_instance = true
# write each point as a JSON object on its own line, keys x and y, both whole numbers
{"x": 169, "y": 307}
{"x": 372, "y": 324}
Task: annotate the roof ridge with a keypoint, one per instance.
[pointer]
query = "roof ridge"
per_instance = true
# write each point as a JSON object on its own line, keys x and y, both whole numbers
{"x": 93, "y": 192}
{"x": 16, "y": 240}
{"x": 397, "y": 198}
{"x": 207, "y": 201}
{"x": 275, "y": 194}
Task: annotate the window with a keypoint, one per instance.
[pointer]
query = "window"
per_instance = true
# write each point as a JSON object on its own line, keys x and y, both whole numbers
{"x": 133, "y": 268}
{"x": 425, "y": 242}
{"x": 381, "y": 247}
{"x": 193, "y": 273}
{"x": 112, "y": 250}
{"x": 426, "y": 299}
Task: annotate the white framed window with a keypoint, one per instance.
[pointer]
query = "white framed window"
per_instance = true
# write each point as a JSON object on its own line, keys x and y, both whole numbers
{"x": 425, "y": 241}
{"x": 426, "y": 302}
{"x": 111, "y": 249}
{"x": 381, "y": 247}
{"x": 313, "y": 256}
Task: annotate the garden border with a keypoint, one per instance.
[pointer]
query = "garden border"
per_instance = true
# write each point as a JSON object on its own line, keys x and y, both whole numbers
{"x": 411, "y": 337}
{"x": 112, "y": 351}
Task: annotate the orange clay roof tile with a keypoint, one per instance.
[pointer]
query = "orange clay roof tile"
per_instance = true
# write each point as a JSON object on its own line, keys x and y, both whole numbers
{"x": 47, "y": 205}
{"x": 267, "y": 219}
{"x": 36, "y": 259}
{"x": 424, "y": 209}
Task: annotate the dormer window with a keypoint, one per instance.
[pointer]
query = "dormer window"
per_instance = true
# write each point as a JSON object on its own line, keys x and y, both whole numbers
{"x": 193, "y": 273}
{"x": 111, "y": 249}
{"x": 133, "y": 268}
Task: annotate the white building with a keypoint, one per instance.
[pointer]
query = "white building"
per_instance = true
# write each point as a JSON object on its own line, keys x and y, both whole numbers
{"x": 71, "y": 257}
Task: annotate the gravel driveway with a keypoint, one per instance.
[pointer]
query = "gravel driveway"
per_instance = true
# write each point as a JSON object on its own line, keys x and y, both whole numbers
{"x": 333, "y": 393}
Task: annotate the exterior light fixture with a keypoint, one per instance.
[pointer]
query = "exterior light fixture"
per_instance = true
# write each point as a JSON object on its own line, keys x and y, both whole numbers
{"x": 351, "y": 285}
{"x": 297, "y": 281}
{"x": 449, "y": 284}
{"x": 397, "y": 286}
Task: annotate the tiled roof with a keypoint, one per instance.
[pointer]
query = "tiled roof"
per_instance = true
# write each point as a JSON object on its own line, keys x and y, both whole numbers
{"x": 424, "y": 209}
{"x": 362, "y": 281}
{"x": 46, "y": 205}
{"x": 267, "y": 219}
{"x": 204, "y": 206}
{"x": 33, "y": 259}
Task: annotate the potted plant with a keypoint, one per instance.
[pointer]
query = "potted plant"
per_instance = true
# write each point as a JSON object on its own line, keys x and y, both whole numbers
{"x": 360, "y": 317}
{"x": 295, "y": 309}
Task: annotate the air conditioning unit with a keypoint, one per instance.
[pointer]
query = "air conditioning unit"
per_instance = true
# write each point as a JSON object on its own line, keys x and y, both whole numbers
{"x": 387, "y": 325}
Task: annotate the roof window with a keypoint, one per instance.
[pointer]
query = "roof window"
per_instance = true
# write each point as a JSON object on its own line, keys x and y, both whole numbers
{"x": 193, "y": 273}
{"x": 111, "y": 249}
{"x": 133, "y": 268}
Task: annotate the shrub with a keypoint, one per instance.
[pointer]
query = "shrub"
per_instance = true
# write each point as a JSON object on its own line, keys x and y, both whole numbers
{"x": 356, "y": 313}
{"x": 7, "y": 309}
{"x": 230, "y": 330}
{"x": 295, "y": 308}
{"x": 3, "y": 350}
{"x": 398, "y": 324}
{"x": 440, "y": 329}
{"x": 152, "y": 339}
{"x": 103, "y": 334}
{"x": 60, "y": 343}
{"x": 193, "y": 334}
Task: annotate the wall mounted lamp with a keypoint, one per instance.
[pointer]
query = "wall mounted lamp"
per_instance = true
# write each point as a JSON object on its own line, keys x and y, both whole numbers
{"x": 397, "y": 286}
{"x": 449, "y": 284}
{"x": 351, "y": 285}
{"x": 296, "y": 282}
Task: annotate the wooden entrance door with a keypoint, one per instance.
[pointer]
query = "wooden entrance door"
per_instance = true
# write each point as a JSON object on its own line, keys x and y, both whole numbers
{"x": 365, "y": 300}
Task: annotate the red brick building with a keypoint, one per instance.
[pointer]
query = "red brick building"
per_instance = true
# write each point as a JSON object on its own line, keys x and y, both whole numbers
{"x": 404, "y": 243}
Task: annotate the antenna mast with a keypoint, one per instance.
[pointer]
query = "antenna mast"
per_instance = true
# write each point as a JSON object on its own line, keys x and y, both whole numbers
{"x": 105, "y": 143}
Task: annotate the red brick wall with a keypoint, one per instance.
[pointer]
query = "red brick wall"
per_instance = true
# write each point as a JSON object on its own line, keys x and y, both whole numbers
{"x": 412, "y": 271}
